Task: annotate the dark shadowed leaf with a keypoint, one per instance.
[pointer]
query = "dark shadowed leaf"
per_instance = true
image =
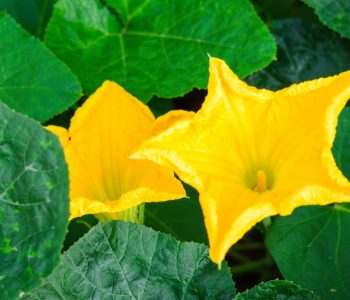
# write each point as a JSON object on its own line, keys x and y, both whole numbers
{"x": 180, "y": 218}
{"x": 335, "y": 14}
{"x": 31, "y": 14}
{"x": 305, "y": 51}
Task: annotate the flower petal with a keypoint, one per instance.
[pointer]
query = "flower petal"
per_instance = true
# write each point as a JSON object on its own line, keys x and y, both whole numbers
{"x": 230, "y": 211}
{"x": 104, "y": 132}
{"x": 241, "y": 132}
{"x": 313, "y": 109}
{"x": 61, "y": 133}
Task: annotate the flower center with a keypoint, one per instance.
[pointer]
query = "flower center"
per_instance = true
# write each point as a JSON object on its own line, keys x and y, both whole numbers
{"x": 261, "y": 182}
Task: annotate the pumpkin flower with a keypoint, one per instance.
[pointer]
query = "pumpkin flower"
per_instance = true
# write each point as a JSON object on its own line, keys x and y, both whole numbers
{"x": 253, "y": 153}
{"x": 104, "y": 181}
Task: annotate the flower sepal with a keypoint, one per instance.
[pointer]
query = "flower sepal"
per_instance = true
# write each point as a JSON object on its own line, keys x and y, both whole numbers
{"x": 134, "y": 214}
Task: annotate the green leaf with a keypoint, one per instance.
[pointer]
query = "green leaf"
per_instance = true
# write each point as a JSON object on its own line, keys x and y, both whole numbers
{"x": 32, "y": 80}
{"x": 180, "y": 218}
{"x": 335, "y": 14}
{"x": 277, "y": 289}
{"x": 33, "y": 203}
{"x": 157, "y": 47}
{"x": 311, "y": 248}
{"x": 341, "y": 146}
{"x": 118, "y": 260}
{"x": 31, "y": 14}
{"x": 305, "y": 51}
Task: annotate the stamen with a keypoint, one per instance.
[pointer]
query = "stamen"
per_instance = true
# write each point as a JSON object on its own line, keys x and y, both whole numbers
{"x": 261, "y": 184}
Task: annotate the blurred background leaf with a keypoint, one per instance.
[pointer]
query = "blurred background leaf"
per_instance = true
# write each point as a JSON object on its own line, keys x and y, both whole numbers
{"x": 158, "y": 47}
{"x": 32, "y": 80}
{"x": 305, "y": 51}
{"x": 33, "y": 203}
{"x": 334, "y": 14}
{"x": 180, "y": 218}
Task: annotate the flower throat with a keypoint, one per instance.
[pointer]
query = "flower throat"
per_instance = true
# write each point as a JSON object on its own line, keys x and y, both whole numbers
{"x": 260, "y": 185}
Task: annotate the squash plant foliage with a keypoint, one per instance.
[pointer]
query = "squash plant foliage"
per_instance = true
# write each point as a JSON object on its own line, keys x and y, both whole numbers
{"x": 193, "y": 149}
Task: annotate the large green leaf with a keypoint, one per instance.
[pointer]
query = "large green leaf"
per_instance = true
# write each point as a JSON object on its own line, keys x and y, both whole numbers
{"x": 305, "y": 51}
{"x": 311, "y": 248}
{"x": 335, "y": 14}
{"x": 118, "y": 260}
{"x": 32, "y": 80}
{"x": 33, "y": 202}
{"x": 277, "y": 289}
{"x": 180, "y": 218}
{"x": 341, "y": 147}
{"x": 31, "y": 14}
{"x": 157, "y": 47}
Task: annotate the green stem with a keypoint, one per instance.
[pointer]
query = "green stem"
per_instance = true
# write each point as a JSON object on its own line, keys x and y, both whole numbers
{"x": 238, "y": 256}
{"x": 267, "y": 223}
{"x": 249, "y": 246}
{"x": 252, "y": 266}
{"x": 141, "y": 213}
{"x": 133, "y": 214}
{"x": 80, "y": 221}
{"x": 42, "y": 14}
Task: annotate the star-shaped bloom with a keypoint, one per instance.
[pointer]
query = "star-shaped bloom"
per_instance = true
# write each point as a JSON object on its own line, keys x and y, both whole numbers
{"x": 103, "y": 133}
{"x": 254, "y": 153}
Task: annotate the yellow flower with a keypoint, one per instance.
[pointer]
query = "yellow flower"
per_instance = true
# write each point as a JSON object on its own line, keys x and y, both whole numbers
{"x": 254, "y": 153}
{"x": 108, "y": 127}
